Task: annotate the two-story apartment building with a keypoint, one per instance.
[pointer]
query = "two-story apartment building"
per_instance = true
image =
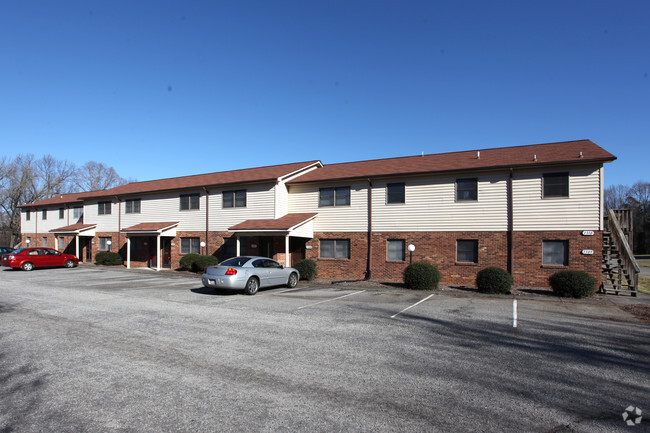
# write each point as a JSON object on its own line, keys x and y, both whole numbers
{"x": 530, "y": 209}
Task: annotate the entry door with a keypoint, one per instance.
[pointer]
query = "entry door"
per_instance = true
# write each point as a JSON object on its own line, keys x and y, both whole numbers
{"x": 166, "y": 252}
{"x": 297, "y": 248}
{"x": 86, "y": 249}
{"x": 266, "y": 247}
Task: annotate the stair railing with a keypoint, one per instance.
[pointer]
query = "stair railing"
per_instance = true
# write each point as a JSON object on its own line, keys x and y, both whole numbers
{"x": 627, "y": 257}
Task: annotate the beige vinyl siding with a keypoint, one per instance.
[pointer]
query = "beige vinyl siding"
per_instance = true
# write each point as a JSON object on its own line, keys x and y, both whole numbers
{"x": 430, "y": 205}
{"x": 165, "y": 207}
{"x": 580, "y": 211}
{"x": 28, "y": 226}
{"x": 281, "y": 200}
{"x": 260, "y": 204}
{"x": 105, "y": 223}
{"x": 353, "y": 218}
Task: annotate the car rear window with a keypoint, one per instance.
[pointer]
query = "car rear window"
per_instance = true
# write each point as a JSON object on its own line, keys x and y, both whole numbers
{"x": 235, "y": 261}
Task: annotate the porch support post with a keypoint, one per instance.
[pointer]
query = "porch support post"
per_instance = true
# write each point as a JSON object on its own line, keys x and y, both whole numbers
{"x": 287, "y": 259}
{"x": 76, "y": 246}
{"x": 158, "y": 252}
{"x": 238, "y": 246}
{"x": 128, "y": 252}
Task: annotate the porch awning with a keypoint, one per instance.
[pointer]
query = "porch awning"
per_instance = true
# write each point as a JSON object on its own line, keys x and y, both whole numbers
{"x": 153, "y": 229}
{"x": 293, "y": 224}
{"x": 78, "y": 229}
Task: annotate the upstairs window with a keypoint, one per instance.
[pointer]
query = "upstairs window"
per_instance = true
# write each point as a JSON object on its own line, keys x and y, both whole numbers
{"x": 189, "y": 201}
{"x": 61, "y": 213}
{"x": 104, "y": 208}
{"x": 44, "y": 213}
{"x": 28, "y": 215}
{"x": 132, "y": 206}
{"x": 467, "y": 189}
{"x": 395, "y": 193}
{"x": 339, "y": 196}
{"x": 234, "y": 198}
{"x": 555, "y": 184}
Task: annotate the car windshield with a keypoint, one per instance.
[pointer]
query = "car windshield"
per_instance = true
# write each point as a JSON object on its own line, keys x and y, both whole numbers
{"x": 19, "y": 251}
{"x": 235, "y": 261}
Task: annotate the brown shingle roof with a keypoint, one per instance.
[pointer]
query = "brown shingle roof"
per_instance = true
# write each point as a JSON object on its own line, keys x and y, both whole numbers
{"x": 73, "y": 228}
{"x": 284, "y": 223}
{"x": 150, "y": 227}
{"x": 75, "y": 197}
{"x": 504, "y": 157}
{"x": 259, "y": 174}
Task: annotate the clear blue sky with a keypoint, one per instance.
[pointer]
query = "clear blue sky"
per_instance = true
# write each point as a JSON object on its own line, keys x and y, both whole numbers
{"x": 170, "y": 88}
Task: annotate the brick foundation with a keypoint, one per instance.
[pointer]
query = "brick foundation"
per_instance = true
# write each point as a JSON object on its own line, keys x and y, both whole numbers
{"x": 438, "y": 248}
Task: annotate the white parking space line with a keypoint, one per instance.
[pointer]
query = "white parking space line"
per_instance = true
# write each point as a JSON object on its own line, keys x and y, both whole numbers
{"x": 285, "y": 291}
{"x": 330, "y": 300}
{"x": 410, "y": 306}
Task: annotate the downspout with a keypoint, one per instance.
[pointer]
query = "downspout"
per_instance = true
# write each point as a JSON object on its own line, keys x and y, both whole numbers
{"x": 207, "y": 219}
{"x": 119, "y": 222}
{"x": 369, "y": 261}
{"x": 510, "y": 224}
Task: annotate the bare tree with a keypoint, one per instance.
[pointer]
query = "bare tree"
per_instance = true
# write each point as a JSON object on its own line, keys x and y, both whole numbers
{"x": 616, "y": 197}
{"x": 94, "y": 176}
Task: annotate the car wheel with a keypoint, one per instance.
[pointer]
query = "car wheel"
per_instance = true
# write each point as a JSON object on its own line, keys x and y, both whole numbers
{"x": 251, "y": 286}
{"x": 69, "y": 264}
{"x": 27, "y": 266}
{"x": 293, "y": 280}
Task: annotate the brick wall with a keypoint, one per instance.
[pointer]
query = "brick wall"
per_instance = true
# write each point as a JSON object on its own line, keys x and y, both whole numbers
{"x": 439, "y": 248}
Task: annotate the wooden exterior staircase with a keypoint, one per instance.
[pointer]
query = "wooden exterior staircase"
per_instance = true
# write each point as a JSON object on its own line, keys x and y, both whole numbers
{"x": 620, "y": 269}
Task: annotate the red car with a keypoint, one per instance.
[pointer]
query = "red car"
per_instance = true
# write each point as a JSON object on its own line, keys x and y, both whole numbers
{"x": 30, "y": 258}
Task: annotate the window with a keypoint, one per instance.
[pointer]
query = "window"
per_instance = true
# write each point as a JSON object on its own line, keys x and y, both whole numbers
{"x": 44, "y": 212}
{"x": 335, "y": 248}
{"x": 395, "y": 193}
{"x": 105, "y": 244}
{"x": 339, "y": 196}
{"x": 61, "y": 213}
{"x": 189, "y": 201}
{"x": 45, "y": 242}
{"x": 132, "y": 206}
{"x": 61, "y": 243}
{"x": 28, "y": 241}
{"x": 467, "y": 251}
{"x": 395, "y": 249}
{"x": 190, "y": 245}
{"x": 104, "y": 208}
{"x": 466, "y": 189}
{"x": 77, "y": 212}
{"x": 556, "y": 184}
{"x": 234, "y": 198}
{"x": 555, "y": 253}
{"x": 28, "y": 215}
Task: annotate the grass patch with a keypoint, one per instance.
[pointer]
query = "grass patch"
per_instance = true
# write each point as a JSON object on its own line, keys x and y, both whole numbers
{"x": 645, "y": 263}
{"x": 644, "y": 285}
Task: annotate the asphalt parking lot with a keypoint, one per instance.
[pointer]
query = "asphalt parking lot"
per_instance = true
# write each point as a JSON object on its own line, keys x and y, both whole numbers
{"x": 95, "y": 349}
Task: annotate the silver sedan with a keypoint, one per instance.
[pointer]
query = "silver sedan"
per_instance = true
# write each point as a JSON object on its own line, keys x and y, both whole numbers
{"x": 249, "y": 274}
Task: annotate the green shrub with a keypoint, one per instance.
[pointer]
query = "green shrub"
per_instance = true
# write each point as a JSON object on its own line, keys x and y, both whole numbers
{"x": 573, "y": 284}
{"x": 494, "y": 280}
{"x": 188, "y": 260}
{"x": 307, "y": 269}
{"x": 196, "y": 262}
{"x": 422, "y": 276}
{"x": 108, "y": 258}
